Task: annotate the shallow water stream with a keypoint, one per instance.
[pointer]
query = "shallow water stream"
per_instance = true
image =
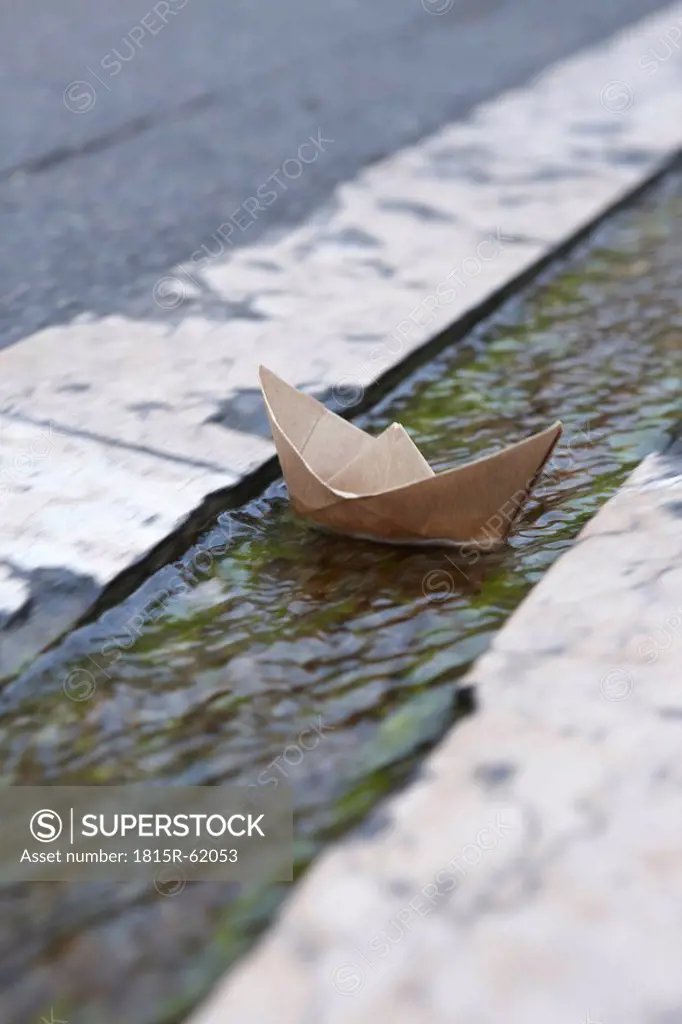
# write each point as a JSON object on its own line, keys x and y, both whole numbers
{"x": 364, "y": 645}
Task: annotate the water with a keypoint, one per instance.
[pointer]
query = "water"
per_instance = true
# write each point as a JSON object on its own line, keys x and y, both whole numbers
{"x": 361, "y": 645}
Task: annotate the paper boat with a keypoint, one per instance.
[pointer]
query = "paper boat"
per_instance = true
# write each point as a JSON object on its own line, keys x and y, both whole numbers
{"x": 382, "y": 488}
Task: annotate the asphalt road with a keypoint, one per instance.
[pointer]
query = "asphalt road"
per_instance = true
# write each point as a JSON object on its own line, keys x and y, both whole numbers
{"x": 131, "y": 131}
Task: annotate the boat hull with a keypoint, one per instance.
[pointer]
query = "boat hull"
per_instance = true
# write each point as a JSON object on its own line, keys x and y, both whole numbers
{"x": 389, "y": 493}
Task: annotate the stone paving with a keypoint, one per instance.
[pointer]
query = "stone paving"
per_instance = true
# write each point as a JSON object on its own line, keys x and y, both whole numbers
{"x": 107, "y": 453}
{"x": 532, "y": 871}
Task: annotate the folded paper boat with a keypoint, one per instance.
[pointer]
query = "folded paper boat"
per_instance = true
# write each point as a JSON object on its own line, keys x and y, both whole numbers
{"x": 381, "y": 488}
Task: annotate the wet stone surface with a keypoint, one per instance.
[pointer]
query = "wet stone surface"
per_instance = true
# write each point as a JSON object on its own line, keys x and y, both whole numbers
{"x": 358, "y": 648}
{"x": 541, "y": 885}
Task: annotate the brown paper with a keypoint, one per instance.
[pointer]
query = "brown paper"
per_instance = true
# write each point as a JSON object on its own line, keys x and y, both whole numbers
{"x": 382, "y": 488}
